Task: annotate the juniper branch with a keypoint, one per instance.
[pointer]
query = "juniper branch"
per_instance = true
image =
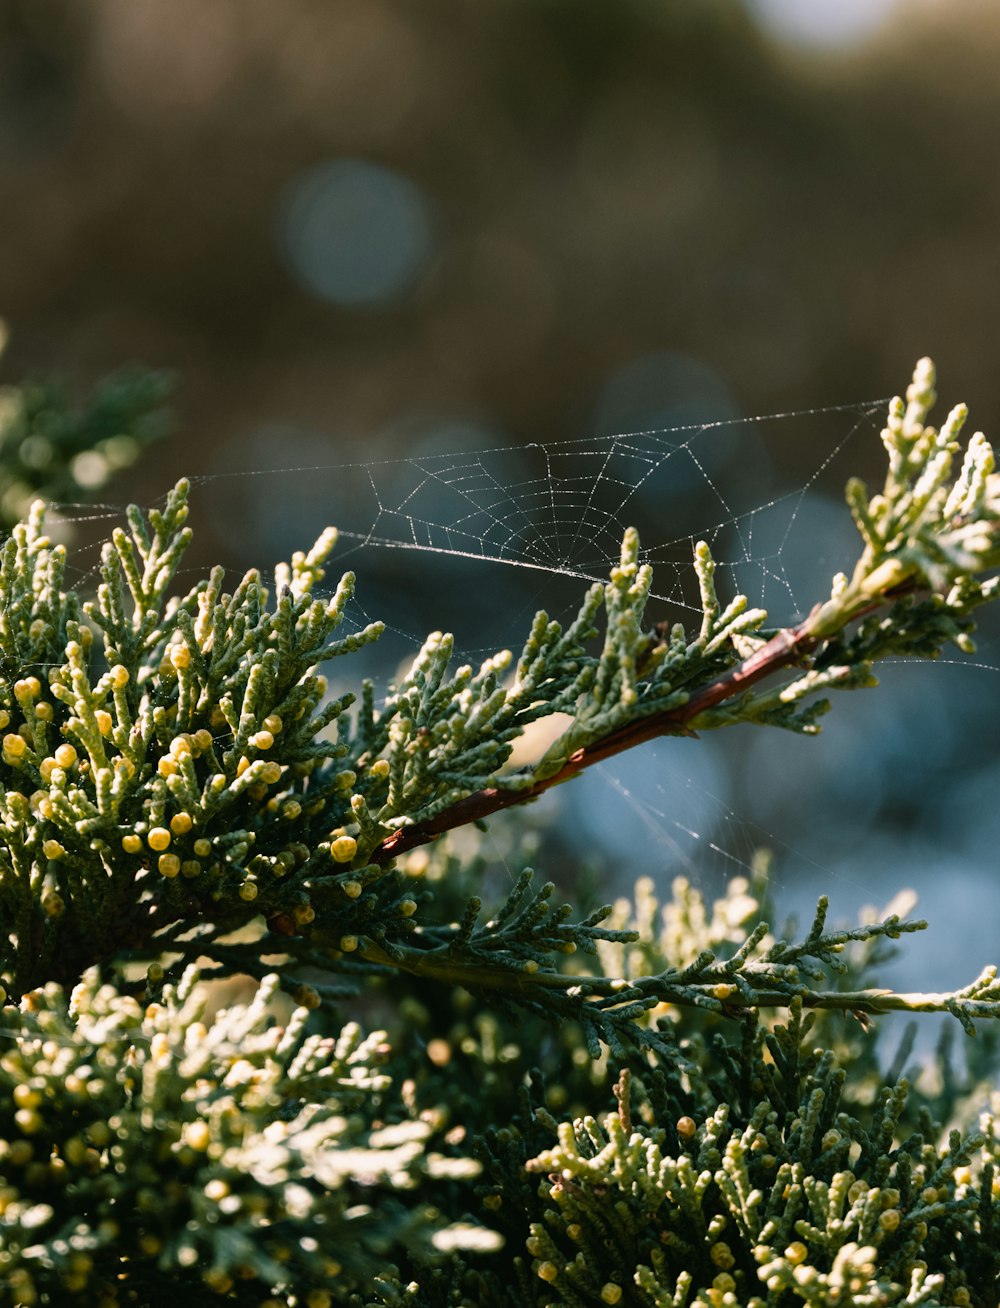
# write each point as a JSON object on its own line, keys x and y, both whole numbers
{"x": 927, "y": 542}
{"x": 517, "y": 959}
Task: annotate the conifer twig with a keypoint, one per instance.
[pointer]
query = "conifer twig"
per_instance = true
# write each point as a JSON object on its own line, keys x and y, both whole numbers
{"x": 785, "y": 648}
{"x": 928, "y": 538}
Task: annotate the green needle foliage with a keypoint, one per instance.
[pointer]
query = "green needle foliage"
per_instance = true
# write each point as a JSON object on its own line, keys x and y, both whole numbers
{"x": 183, "y": 801}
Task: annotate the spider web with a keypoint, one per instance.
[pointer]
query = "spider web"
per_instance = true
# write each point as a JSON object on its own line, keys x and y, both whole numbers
{"x": 474, "y": 537}
{"x": 553, "y": 511}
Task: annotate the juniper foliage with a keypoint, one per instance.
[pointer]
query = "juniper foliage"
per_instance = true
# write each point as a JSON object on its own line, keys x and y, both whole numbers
{"x": 183, "y": 801}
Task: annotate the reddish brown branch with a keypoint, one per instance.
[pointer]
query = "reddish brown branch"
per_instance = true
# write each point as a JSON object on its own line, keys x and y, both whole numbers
{"x": 786, "y": 647}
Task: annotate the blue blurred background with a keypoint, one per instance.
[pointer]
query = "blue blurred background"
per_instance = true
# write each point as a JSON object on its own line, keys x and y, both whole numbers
{"x": 372, "y": 236}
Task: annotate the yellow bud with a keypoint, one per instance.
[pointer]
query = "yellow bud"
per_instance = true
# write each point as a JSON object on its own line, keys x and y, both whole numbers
{"x": 548, "y": 1272}
{"x": 611, "y": 1293}
{"x": 180, "y": 656}
{"x": 159, "y": 1046}
{"x": 131, "y": 844}
{"x": 686, "y": 1127}
{"x": 248, "y": 891}
{"x": 343, "y": 849}
{"x": 169, "y": 865}
{"x": 203, "y": 847}
{"x": 352, "y": 889}
{"x": 273, "y": 723}
{"x": 796, "y": 1253}
{"x": 118, "y": 676}
{"x": 104, "y": 722}
{"x": 74, "y": 1151}
{"x": 28, "y": 1121}
{"x": 158, "y": 838}
{"x": 167, "y": 767}
{"x": 271, "y": 773}
{"x": 408, "y": 907}
{"x": 4, "y": 719}
{"x": 721, "y": 1254}
{"x": 379, "y": 770}
{"x": 198, "y": 1135}
{"x": 99, "y": 1134}
{"x": 262, "y": 740}
{"x": 14, "y": 746}
{"x": 44, "y": 711}
{"x": 190, "y": 868}
{"x": 202, "y": 740}
{"x": 53, "y": 849}
{"x": 65, "y": 755}
{"x": 307, "y": 997}
{"x": 349, "y": 944}
{"x": 181, "y": 823}
{"x": 242, "y": 765}
{"x": 45, "y": 768}
{"x": 890, "y": 1219}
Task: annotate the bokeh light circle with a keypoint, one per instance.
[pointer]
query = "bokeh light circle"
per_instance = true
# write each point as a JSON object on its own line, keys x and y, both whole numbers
{"x": 356, "y": 233}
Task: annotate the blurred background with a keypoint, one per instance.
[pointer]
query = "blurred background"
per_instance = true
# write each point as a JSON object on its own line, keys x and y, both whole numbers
{"x": 370, "y": 236}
